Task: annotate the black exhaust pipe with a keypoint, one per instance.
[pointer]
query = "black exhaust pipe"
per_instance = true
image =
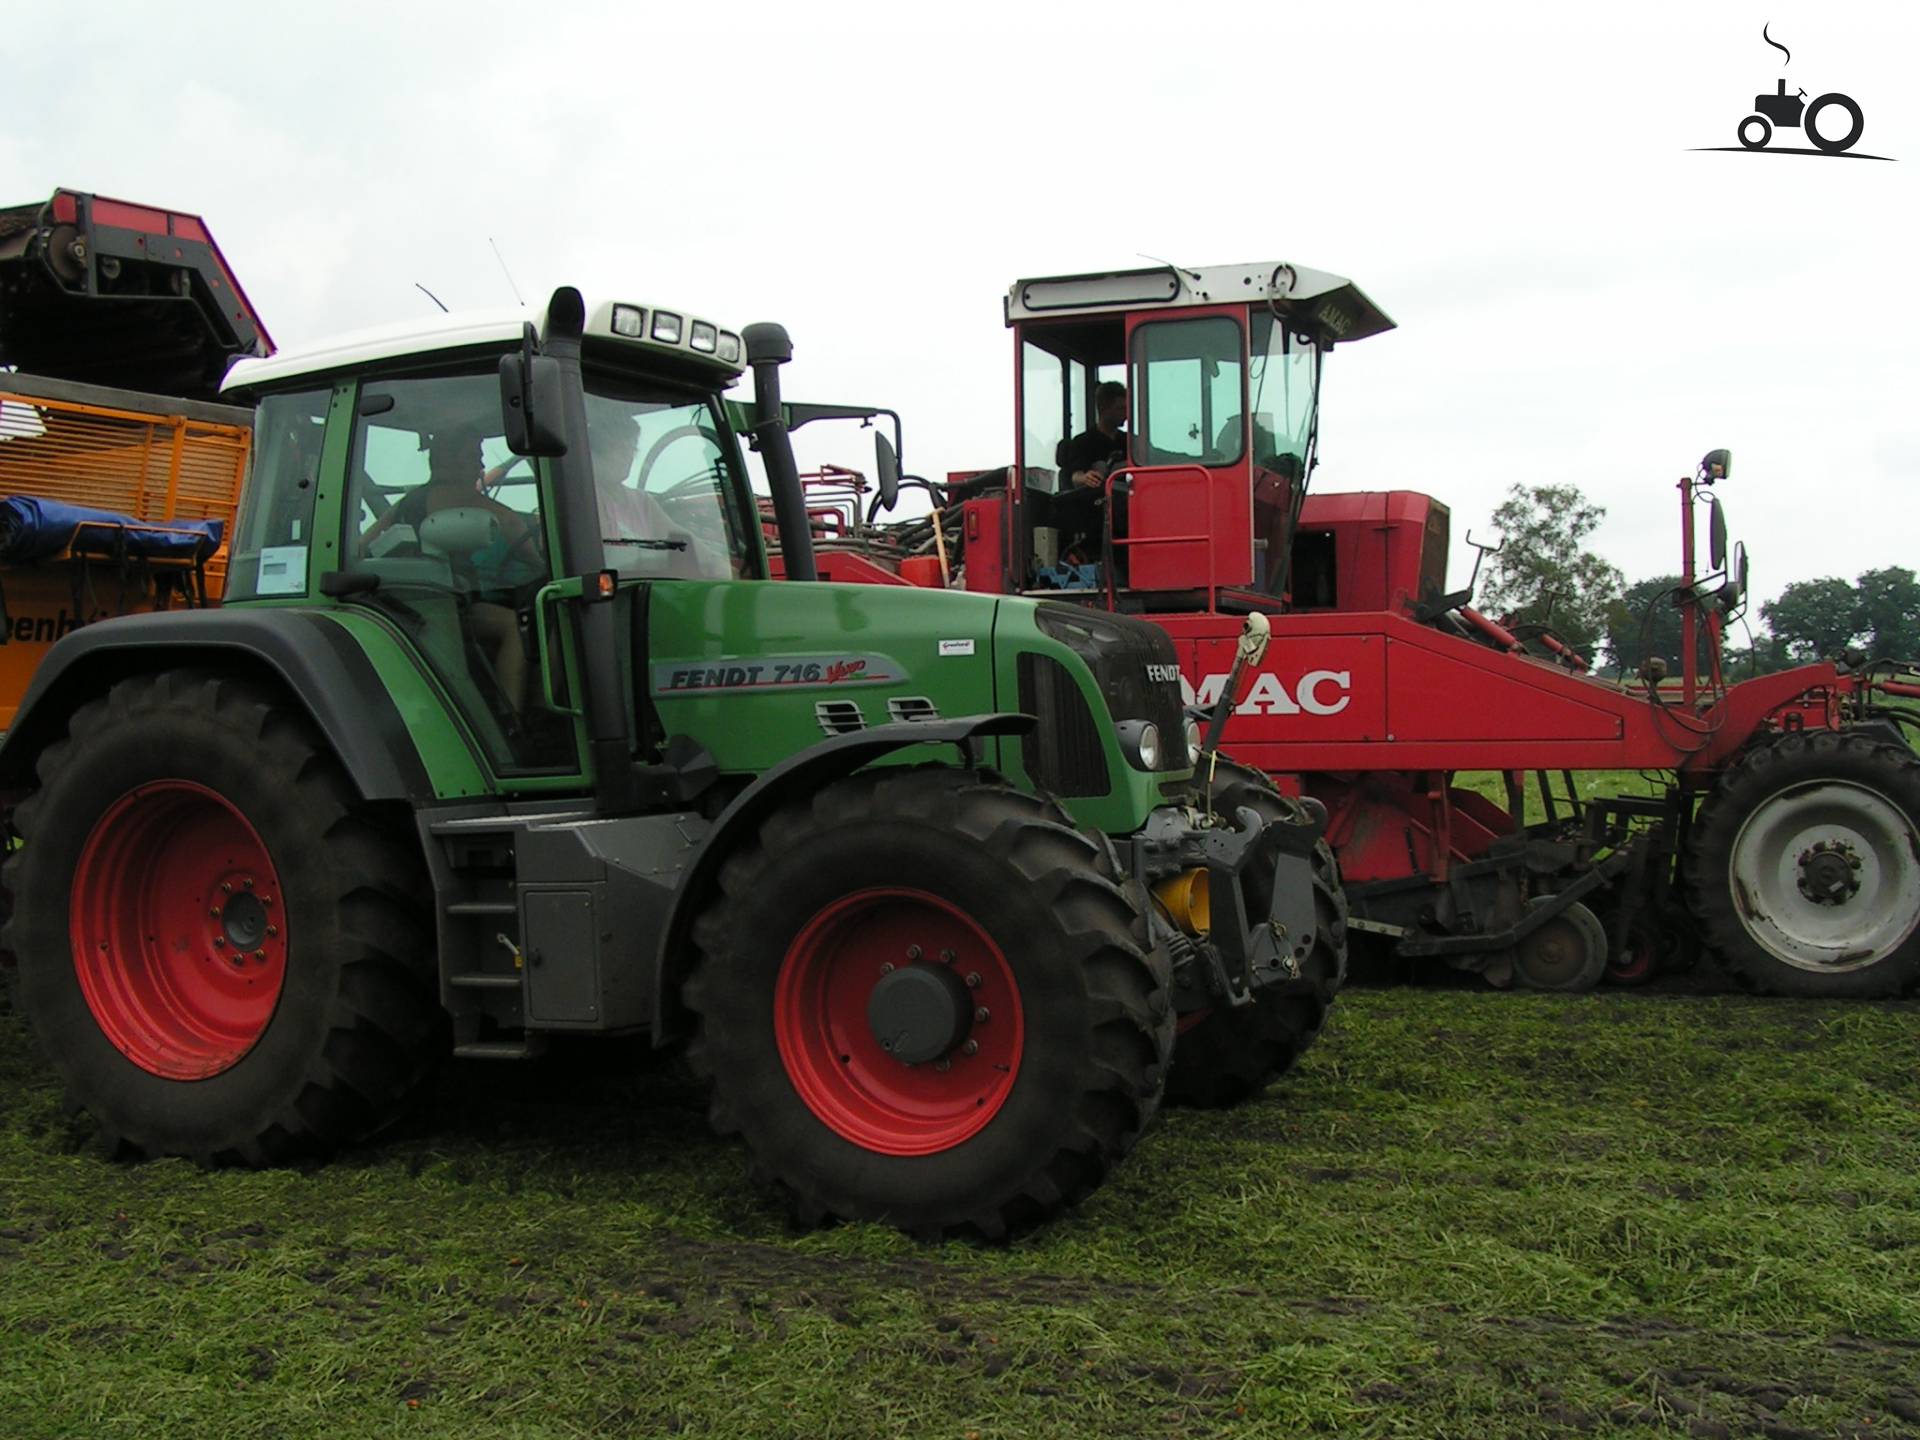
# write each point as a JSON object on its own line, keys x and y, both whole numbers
{"x": 768, "y": 348}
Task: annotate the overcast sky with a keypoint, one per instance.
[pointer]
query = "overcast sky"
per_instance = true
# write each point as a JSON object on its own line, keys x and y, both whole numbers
{"x": 1580, "y": 296}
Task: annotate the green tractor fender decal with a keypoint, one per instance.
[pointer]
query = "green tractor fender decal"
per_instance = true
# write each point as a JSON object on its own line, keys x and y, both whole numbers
{"x": 799, "y": 774}
{"x": 320, "y": 665}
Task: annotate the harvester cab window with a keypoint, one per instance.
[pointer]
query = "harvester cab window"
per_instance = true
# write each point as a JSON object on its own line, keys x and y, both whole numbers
{"x": 1282, "y": 386}
{"x": 450, "y": 521}
{"x": 274, "y": 533}
{"x": 670, "y": 504}
{"x": 1283, "y": 374}
{"x": 1187, "y": 393}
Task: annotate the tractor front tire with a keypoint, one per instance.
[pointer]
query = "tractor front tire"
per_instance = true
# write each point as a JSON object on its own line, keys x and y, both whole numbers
{"x": 1226, "y": 1056}
{"x": 924, "y": 998}
{"x": 1804, "y": 867}
{"x": 220, "y": 949}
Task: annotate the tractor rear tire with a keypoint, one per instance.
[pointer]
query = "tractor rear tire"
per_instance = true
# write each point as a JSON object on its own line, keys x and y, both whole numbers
{"x": 220, "y": 948}
{"x": 1804, "y": 867}
{"x": 924, "y": 998}
{"x": 1226, "y": 1056}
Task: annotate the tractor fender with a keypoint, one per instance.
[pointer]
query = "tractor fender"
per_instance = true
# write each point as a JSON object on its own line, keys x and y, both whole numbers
{"x": 799, "y": 774}
{"x": 322, "y": 668}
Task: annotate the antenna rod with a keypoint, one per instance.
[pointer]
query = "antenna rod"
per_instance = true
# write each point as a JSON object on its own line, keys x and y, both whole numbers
{"x": 430, "y": 295}
{"x": 506, "y": 272}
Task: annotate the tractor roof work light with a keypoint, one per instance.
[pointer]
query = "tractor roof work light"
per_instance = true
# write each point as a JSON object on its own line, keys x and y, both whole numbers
{"x": 629, "y": 322}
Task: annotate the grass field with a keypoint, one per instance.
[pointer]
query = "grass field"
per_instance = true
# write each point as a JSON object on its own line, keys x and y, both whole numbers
{"x": 1466, "y": 1214}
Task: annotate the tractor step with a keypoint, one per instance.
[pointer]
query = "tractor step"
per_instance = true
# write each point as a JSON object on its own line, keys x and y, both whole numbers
{"x": 529, "y": 1048}
{"x": 483, "y": 907}
{"x": 482, "y": 980}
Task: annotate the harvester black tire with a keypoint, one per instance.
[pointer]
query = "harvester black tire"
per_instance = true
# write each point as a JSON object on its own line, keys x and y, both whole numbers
{"x": 1230, "y": 1055}
{"x": 1855, "y": 789}
{"x": 351, "y": 1022}
{"x": 795, "y": 935}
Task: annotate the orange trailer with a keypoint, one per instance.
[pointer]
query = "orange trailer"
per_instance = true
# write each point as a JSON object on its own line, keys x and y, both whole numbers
{"x": 149, "y": 457}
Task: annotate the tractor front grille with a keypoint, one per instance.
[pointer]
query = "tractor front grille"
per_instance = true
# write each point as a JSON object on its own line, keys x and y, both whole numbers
{"x": 1135, "y": 666}
{"x": 1063, "y": 753}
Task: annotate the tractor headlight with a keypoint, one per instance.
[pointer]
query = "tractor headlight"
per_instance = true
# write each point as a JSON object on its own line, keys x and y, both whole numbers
{"x": 729, "y": 347}
{"x": 1194, "y": 737}
{"x": 1140, "y": 740}
{"x": 704, "y": 337}
{"x": 666, "y": 327}
{"x": 629, "y": 321}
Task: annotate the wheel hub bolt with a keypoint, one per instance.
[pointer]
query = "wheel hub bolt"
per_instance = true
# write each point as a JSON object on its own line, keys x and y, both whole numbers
{"x": 973, "y": 979}
{"x": 260, "y": 955}
{"x": 946, "y": 957}
{"x": 913, "y": 953}
{"x": 943, "y": 1066}
{"x": 219, "y": 942}
{"x": 214, "y": 914}
{"x": 981, "y": 1016}
{"x": 248, "y": 883}
{"x": 886, "y": 967}
{"x": 226, "y": 887}
{"x": 272, "y": 930}
{"x": 972, "y": 1047}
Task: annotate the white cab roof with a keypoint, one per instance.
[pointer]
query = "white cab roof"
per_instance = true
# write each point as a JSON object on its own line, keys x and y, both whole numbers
{"x": 666, "y": 334}
{"x": 1315, "y": 299}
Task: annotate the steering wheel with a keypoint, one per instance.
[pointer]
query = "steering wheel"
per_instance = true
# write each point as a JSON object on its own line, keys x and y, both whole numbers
{"x": 659, "y": 447}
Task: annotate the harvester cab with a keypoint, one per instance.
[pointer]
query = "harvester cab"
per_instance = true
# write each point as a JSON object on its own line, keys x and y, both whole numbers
{"x": 502, "y": 735}
{"x": 1202, "y": 492}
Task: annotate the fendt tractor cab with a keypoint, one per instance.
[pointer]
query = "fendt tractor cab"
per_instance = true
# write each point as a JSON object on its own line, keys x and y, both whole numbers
{"x": 1785, "y": 838}
{"x": 502, "y": 733}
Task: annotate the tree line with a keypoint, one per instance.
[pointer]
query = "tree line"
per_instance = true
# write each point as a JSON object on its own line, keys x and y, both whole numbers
{"x": 1546, "y": 574}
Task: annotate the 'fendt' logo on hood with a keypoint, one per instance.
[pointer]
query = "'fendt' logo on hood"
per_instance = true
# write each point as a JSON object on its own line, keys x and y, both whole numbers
{"x": 1318, "y": 692}
{"x": 1163, "y": 674}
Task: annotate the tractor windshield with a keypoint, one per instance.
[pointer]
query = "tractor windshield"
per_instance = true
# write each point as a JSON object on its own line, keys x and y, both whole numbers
{"x": 1283, "y": 385}
{"x": 671, "y": 504}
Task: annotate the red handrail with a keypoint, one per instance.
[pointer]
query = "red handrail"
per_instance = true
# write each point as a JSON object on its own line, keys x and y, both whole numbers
{"x": 1137, "y": 472}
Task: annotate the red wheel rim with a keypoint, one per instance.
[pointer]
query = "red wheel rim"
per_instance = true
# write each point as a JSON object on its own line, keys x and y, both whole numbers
{"x": 178, "y": 931}
{"x": 827, "y": 1044}
{"x": 1635, "y": 965}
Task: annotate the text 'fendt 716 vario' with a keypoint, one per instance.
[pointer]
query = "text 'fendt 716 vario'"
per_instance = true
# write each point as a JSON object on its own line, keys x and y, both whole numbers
{"x": 502, "y": 733}
{"x": 1787, "y": 837}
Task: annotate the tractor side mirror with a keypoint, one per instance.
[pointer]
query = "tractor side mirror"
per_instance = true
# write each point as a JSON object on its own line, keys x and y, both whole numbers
{"x": 1739, "y": 573}
{"x": 532, "y": 406}
{"x": 1717, "y": 535}
{"x": 887, "y": 466}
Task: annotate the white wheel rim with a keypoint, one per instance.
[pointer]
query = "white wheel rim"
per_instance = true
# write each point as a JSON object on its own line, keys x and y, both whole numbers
{"x": 1857, "y": 851}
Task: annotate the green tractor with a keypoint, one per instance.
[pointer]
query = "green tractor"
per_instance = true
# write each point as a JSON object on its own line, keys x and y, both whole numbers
{"x": 503, "y": 735}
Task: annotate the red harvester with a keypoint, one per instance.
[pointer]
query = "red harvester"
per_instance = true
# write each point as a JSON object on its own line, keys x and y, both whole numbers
{"x": 1785, "y": 836}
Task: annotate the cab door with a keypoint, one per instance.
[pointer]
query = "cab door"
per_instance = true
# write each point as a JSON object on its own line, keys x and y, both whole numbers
{"x": 453, "y": 532}
{"x": 1190, "y": 521}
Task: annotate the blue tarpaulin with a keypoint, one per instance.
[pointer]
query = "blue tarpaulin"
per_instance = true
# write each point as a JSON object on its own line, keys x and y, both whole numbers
{"x": 32, "y": 529}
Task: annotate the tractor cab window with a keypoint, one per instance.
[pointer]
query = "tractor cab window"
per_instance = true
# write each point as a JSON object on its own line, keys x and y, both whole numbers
{"x": 449, "y": 521}
{"x": 274, "y": 534}
{"x": 670, "y": 504}
{"x": 1187, "y": 393}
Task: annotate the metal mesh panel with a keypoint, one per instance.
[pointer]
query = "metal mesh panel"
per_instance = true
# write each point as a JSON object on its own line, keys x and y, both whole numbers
{"x": 153, "y": 467}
